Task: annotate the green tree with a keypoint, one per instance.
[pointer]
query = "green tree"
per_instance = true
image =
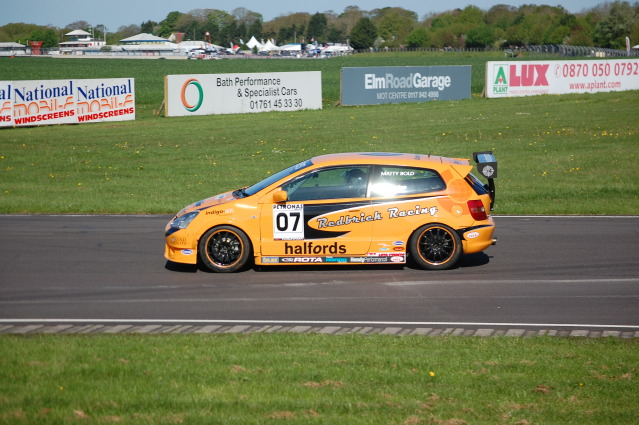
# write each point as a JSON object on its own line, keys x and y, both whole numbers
{"x": 364, "y": 34}
{"x": 317, "y": 28}
{"x": 255, "y": 29}
{"x": 214, "y": 21}
{"x": 480, "y": 37}
{"x": 419, "y": 37}
{"x": 613, "y": 30}
{"x": 148, "y": 27}
{"x": 169, "y": 24}
{"x": 48, "y": 37}
{"x": 394, "y": 27}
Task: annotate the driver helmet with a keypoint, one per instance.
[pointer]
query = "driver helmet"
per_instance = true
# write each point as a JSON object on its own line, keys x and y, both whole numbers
{"x": 355, "y": 177}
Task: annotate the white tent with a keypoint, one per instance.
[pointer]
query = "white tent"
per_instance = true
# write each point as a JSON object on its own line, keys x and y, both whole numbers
{"x": 252, "y": 43}
{"x": 269, "y": 45}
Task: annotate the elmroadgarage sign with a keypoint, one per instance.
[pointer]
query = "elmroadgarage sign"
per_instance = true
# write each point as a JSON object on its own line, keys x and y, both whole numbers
{"x": 401, "y": 84}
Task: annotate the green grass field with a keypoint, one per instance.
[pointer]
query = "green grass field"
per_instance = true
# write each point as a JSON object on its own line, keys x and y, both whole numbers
{"x": 557, "y": 155}
{"x": 317, "y": 379}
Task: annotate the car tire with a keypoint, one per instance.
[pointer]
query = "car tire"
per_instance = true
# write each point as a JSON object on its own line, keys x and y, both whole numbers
{"x": 435, "y": 247}
{"x": 224, "y": 249}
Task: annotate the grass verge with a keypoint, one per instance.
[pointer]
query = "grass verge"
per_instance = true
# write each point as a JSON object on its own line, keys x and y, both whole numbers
{"x": 573, "y": 154}
{"x": 286, "y": 378}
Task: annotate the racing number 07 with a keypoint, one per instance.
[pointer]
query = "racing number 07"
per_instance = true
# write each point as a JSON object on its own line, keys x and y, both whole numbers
{"x": 287, "y": 224}
{"x": 282, "y": 221}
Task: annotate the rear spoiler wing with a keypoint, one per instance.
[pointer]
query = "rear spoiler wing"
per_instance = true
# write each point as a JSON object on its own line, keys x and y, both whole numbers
{"x": 487, "y": 167}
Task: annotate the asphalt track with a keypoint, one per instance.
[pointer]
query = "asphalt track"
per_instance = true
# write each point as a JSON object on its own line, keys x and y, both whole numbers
{"x": 546, "y": 275}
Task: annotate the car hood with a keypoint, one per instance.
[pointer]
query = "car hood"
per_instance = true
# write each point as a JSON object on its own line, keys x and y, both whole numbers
{"x": 210, "y": 202}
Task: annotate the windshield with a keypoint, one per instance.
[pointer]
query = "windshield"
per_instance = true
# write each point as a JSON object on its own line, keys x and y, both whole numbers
{"x": 252, "y": 190}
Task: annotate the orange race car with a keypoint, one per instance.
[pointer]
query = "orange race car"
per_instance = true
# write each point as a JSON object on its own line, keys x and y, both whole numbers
{"x": 346, "y": 208}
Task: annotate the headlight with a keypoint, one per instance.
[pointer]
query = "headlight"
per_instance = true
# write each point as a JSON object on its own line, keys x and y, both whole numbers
{"x": 183, "y": 221}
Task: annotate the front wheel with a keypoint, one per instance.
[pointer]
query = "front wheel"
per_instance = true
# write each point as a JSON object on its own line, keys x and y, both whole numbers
{"x": 224, "y": 249}
{"x": 435, "y": 247}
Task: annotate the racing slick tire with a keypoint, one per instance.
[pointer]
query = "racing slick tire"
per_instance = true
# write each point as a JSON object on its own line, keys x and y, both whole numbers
{"x": 224, "y": 249}
{"x": 435, "y": 247}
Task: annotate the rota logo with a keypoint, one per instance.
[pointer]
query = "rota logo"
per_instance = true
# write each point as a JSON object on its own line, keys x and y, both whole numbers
{"x": 192, "y": 107}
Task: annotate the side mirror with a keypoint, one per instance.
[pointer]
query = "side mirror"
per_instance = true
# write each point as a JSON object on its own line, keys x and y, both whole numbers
{"x": 280, "y": 196}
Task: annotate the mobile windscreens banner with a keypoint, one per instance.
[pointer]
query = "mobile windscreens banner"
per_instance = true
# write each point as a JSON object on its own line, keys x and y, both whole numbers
{"x": 403, "y": 84}
{"x": 213, "y": 94}
{"x": 530, "y": 78}
{"x": 74, "y": 101}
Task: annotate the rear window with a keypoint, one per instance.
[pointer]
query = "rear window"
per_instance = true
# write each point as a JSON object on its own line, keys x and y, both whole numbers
{"x": 476, "y": 184}
{"x": 396, "y": 181}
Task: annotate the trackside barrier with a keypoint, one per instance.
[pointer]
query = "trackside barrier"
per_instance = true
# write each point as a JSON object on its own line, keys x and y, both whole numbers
{"x": 38, "y": 102}
{"x": 530, "y": 78}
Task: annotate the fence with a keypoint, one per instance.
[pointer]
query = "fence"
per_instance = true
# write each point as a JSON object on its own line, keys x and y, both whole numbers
{"x": 559, "y": 50}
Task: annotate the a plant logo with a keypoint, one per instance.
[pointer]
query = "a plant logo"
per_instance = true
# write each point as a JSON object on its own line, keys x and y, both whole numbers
{"x": 500, "y": 83}
{"x": 192, "y": 107}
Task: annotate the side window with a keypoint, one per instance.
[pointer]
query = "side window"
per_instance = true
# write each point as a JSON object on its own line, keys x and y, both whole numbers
{"x": 397, "y": 181}
{"x": 329, "y": 183}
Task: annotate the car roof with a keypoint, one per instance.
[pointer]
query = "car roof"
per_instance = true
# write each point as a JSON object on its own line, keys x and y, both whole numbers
{"x": 386, "y": 158}
{"x": 462, "y": 166}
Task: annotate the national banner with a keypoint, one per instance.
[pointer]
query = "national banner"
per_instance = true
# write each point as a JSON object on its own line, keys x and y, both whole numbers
{"x": 73, "y": 101}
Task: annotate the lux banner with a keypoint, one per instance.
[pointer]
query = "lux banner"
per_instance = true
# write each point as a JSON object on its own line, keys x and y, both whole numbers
{"x": 402, "y": 84}
{"x": 212, "y": 94}
{"x": 47, "y": 102}
{"x": 514, "y": 78}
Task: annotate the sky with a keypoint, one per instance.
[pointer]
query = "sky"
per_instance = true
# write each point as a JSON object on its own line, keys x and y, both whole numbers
{"x": 117, "y": 13}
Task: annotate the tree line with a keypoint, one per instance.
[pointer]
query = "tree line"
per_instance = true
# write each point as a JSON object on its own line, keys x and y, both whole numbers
{"x": 605, "y": 25}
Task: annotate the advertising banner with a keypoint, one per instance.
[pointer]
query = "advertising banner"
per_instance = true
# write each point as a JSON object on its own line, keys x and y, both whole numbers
{"x": 48, "y": 102}
{"x": 213, "y": 94}
{"x": 402, "y": 84}
{"x": 514, "y": 78}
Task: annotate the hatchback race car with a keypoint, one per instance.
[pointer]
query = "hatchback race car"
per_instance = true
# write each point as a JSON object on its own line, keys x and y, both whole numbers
{"x": 345, "y": 208}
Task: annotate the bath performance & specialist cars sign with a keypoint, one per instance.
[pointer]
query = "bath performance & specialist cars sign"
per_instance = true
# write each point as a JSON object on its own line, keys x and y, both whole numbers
{"x": 213, "y": 94}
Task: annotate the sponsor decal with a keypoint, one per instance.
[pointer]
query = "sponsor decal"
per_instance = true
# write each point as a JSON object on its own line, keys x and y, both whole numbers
{"x": 336, "y": 260}
{"x": 219, "y": 212}
{"x": 398, "y": 243}
{"x": 270, "y": 260}
{"x": 379, "y": 259}
{"x": 345, "y": 220}
{"x": 178, "y": 241}
{"x": 309, "y": 248}
{"x": 187, "y": 252}
{"x": 397, "y": 213}
{"x": 398, "y": 173}
{"x": 472, "y": 235}
{"x": 301, "y": 260}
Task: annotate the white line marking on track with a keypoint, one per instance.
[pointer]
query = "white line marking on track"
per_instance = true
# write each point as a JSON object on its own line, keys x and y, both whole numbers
{"x": 320, "y": 322}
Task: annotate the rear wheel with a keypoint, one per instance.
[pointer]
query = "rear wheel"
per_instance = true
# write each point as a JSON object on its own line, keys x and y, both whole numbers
{"x": 435, "y": 247}
{"x": 224, "y": 249}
